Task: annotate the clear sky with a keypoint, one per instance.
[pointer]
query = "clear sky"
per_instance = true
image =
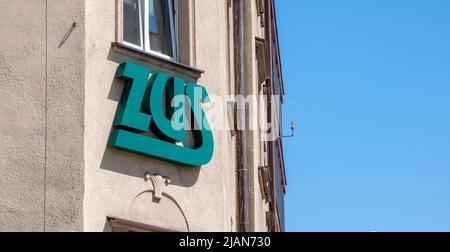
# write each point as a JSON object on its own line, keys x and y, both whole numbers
{"x": 368, "y": 83}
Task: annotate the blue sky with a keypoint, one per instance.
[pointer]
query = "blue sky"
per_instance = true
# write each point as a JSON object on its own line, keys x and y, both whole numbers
{"x": 368, "y": 83}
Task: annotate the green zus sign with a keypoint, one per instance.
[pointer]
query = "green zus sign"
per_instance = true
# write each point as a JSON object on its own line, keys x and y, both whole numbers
{"x": 152, "y": 117}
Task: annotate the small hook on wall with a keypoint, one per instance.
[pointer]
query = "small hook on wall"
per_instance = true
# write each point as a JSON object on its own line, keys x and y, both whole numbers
{"x": 66, "y": 36}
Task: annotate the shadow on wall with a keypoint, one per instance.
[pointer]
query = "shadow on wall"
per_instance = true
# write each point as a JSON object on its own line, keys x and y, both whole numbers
{"x": 136, "y": 165}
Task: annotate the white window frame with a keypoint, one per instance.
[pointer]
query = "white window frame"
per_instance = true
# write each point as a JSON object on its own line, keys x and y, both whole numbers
{"x": 141, "y": 47}
{"x": 144, "y": 28}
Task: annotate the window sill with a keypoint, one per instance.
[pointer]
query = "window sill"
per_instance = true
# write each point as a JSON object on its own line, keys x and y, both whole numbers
{"x": 157, "y": 61}
{"x": 134, "y": 226}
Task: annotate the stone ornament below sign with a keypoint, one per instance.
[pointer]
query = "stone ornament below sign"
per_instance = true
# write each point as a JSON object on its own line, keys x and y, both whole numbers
{"x": 158, "y": 182}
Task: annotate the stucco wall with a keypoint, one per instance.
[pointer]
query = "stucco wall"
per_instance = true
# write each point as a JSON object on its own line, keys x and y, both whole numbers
{"x": 41, "y": 115}
{"x": 22, "y": 112}
{"x": 65, "y": 117}
{"x": 253, "y": 29}
{"x": 114, "y": 178}
{"x": 59, "y": 98}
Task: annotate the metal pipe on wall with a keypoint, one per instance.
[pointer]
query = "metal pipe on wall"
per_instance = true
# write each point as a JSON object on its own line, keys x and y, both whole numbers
{"x": 241, "y": 148}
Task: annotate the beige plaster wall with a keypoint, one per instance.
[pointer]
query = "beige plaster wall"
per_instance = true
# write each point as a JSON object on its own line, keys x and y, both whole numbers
{"x": 65, "y": 102}
{"x": 42, "y": 115}
{"x": 252, "y": 30}
{"x": 59, "y": 99}
{"x": 22, "y": 112}
{"x": 113, "y": 179}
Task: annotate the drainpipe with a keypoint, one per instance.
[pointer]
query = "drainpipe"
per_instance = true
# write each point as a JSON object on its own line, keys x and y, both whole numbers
{"x": 241, "y": 147}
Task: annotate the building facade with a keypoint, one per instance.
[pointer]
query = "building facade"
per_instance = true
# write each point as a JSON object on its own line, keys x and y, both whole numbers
{"x": 86, "y": 147}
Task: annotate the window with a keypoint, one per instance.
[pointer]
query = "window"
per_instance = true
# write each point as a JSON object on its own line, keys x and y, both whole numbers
{"x": 151, "y": 25}
{"x": 260, "y": 8}
{"x": 261, "y": 60}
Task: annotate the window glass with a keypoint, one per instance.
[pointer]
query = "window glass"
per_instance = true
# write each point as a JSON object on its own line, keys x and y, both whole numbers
{"x": 160, "y": 28}
{"x": 150, "y": 25}
{"x": 131, "y": 22}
